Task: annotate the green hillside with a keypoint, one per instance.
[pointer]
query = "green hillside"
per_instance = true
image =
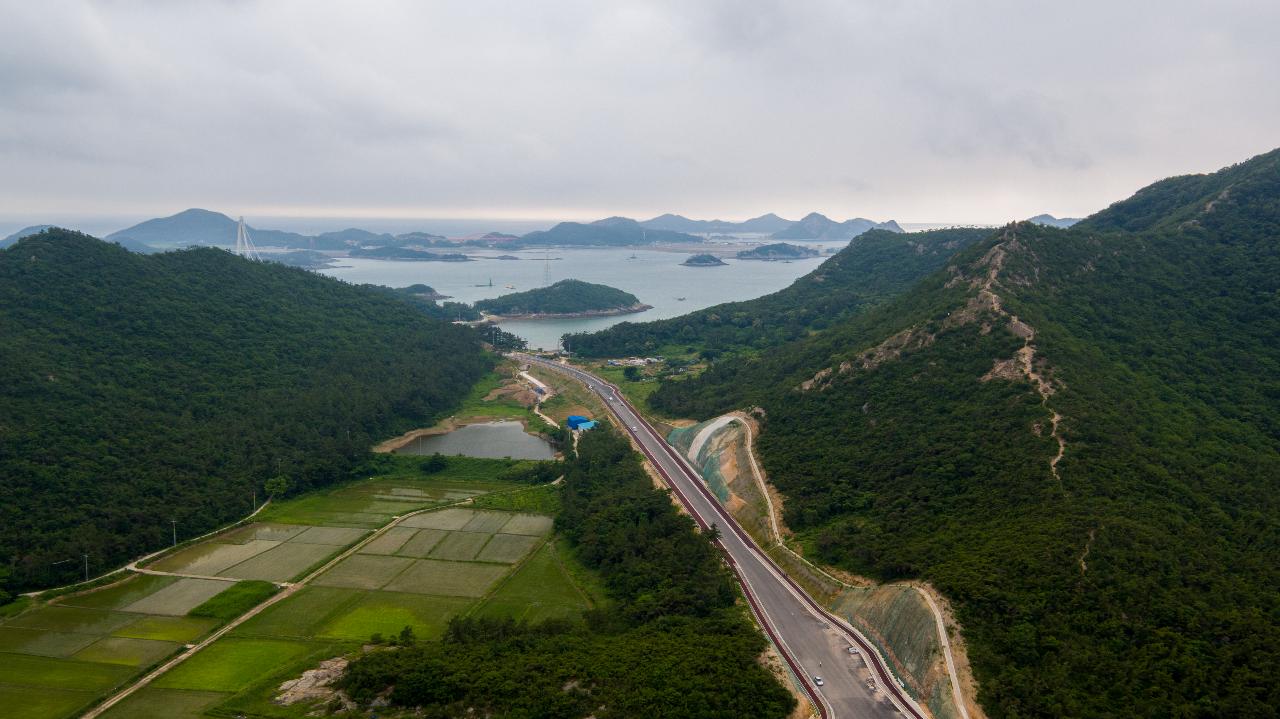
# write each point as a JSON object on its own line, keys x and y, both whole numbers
{"x": 136, "y": 390}
{"x": 874, "y": 267}
{"x": 563, "y": 297}
{"x": 1137, "y": 574}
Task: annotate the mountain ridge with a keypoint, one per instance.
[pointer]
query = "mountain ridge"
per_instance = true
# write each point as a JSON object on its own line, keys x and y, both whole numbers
{"x": 1074, "y": 434}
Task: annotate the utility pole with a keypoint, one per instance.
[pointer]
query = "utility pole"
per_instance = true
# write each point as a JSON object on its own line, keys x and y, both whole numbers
{"x": 86, "y": 566}
{"x": 255, "y": 500}
{"x": 175, "y": 531}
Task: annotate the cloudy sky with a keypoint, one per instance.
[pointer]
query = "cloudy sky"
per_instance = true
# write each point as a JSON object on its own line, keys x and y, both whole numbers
{"x": 919, "y": 110}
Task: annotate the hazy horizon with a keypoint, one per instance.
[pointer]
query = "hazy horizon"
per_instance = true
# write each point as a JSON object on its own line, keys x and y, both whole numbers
{"x": 100, "y": 226}
{"x": 919, "y": 112}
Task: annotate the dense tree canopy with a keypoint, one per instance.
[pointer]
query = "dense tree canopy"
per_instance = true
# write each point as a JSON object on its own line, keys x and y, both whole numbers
{"x": 136, "y": 390}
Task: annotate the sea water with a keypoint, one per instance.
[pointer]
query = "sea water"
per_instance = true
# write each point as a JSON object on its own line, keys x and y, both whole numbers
{"x": 655, "y": 277}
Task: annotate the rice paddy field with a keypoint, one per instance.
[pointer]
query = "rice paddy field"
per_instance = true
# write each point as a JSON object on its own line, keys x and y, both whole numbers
{"x": 59, "y": 658}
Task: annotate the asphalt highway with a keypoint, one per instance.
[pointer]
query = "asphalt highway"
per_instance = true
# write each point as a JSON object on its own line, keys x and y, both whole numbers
{"x": 813, "y": 642}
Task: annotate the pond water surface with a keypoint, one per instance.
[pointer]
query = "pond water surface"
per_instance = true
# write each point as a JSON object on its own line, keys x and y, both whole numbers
{"x": 494, "y": 440}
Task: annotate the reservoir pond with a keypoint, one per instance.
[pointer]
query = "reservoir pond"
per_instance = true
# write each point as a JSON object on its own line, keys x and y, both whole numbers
{"x": 494, "y": 440}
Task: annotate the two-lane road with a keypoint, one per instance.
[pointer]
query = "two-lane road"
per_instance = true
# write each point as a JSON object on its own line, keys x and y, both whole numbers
{"x": 812, "y": 641}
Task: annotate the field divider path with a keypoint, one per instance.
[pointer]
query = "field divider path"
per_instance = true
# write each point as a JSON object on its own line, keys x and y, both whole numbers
{"x": 288, "y": 590}
{"x": 802, "y": 629}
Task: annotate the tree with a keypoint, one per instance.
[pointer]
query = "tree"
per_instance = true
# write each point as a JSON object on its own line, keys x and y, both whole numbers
{"x": 407, "y": 637}
{"x": 277, "y": 485}
{"x": 434, "y": 463}
{"x": 632, "y": 374}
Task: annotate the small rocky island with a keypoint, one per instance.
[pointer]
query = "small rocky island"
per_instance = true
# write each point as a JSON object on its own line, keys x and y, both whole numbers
{"x": 565, "y": 299}
{"x": 704, "y": 261}
{"x": 778, "y": 251}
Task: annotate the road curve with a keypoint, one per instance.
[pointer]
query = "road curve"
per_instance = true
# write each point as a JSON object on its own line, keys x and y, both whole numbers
{"x": 813, "y": 641}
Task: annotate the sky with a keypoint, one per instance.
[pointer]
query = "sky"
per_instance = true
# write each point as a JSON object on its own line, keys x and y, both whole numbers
{"x": 914, "y": 110}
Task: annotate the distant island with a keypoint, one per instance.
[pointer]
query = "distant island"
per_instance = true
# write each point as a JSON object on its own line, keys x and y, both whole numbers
{"x": 703, "y": 261}
{"x": 1051, "y": 221}
{"x": 609, "y": 232}
{"x": 777, "y": 251}
{"x": 404, "y": 253}
{"x": 564, "y": 299}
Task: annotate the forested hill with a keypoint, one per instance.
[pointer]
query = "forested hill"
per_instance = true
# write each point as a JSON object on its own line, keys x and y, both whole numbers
{"x": 1075, "y": 434}
{"x": 874, "y": 267}
{"x": 136, "y": 390}
{"x": 563, "y": 297}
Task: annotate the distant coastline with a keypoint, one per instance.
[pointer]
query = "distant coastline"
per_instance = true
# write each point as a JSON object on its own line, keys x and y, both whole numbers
{"x": 638, "y": 307}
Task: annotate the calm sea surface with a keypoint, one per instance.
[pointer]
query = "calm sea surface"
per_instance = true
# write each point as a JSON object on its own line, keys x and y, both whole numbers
{"x": 655, "y": 277}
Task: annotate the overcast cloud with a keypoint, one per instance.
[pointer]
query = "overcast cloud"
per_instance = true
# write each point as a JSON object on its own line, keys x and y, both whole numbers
{"x": 917, "y": 110}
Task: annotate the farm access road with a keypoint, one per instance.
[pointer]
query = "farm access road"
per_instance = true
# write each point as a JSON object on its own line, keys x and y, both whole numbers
{"x": 814, "y": 642}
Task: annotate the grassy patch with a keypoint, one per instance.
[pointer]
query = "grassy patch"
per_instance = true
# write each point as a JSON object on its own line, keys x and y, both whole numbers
{"x": 169, "y": 629}
{"x": 234, "y": 601}
{"x": 390, "y": 541}
{"x": 488, "y": 522}
{"x": 333, "y": 536}
{"x": 638, "y": 392}
{"x": 231, "y": 664}
{"x": 179, "y": 598}
{"x": 43, "y": 643}
{"x": 62, "y": 673}
{"x": 530, "y": 524}
{"x": 421, "y": 544}
{"x": 507, "y": 548}
{"x": 450, "y": 579}
{"x": 72, "y": 619}
{"x": 14, "y": 608}
{"x": 167, "y": 703}
{"x": 387, "y": 613}
{"x": 543, "y": 499}
{"x": 539, "y": 589}
{"x": 209, "y": 558}
{"x": 363, "y": 571}
{"x": 40, "y": 703}
{"x": 299, "y": 615}
{"x": 119, "y": 595}
{"x": 126, "y": 651}
{"x": 475, "y": 404}
{"x": 452, "y": 518}
{"x": 460, "y": 546}
{"x": 399, "y": 486}
{"x": 282, "y": 563}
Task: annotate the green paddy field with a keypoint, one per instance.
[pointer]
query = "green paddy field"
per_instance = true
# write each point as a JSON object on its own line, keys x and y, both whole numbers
{"x": 451, "y": 557}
